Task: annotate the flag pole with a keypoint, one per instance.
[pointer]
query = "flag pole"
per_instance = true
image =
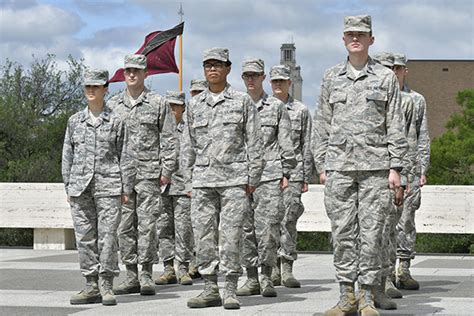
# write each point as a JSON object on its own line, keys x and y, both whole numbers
{"x": 180, "y": 82}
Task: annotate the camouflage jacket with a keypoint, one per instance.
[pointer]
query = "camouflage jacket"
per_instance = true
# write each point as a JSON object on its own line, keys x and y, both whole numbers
{"x": 410, "y": 159}
{"x": 95, "y": 152}
{"x": 151, "y": 126}
{"x": 279, "y": 157}
{"x": 301, "y": 139}
{"x": 225, "y": 138}
{"x": 177, "y": 186}
{"x": 421, "y": 131}
{"x": 358, "y": 123}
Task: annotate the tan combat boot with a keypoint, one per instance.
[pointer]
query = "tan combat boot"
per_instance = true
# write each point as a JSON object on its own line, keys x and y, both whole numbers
{"x": 266, "y": 286}
{"x": 169, "y": 275}
{"x": 347, "y": 304}
{"x": 251, "y": 285}
{"x": 193, "y": 270}
{"x": 287, "y": 278}
{"x": 405, "y": 280}
{"x": 147, "y": 286}
{"x": 89, "y": 295}
{"x": 366, "y": 302}
{"x": 183, "y": 274}
{"x": 130, "y": 284}
{"x": 230, "y": 299}
{"x": 210, "y": 296}
{"x": 106, "y": 285}
{"x": 390, "y": 288}
{"x": 381, "y": 299}
{"x": 276, "y": 273}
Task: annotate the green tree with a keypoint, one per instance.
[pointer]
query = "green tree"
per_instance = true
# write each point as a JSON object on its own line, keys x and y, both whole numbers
{"x": 35, "y": 104}
{"x": 452, "y": 154}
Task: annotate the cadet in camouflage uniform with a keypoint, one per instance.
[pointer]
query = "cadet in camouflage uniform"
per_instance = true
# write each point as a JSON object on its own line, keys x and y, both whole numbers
{"x": 226, "y": 162}
{"x": 262, "y": 226}
{"x": 197, "y": 86}
{"x": 386, "y": 289}
{"x": 92, "y": 154}
{"x": 300, "y": 176}
{"x": 175, "y": 233}
{"x": 358, "y": 145}
{"x": 406, "y": 229}
{"x": 152, "y": 144}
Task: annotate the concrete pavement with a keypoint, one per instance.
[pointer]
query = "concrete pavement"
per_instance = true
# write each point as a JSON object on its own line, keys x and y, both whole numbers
{"x": 40, "y": 282}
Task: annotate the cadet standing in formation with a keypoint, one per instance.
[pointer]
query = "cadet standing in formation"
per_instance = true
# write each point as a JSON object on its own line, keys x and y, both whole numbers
{"x": 95, "y": 187}
{"x": 225, "y": 157}
{"x": 358, "y": 145}
{"x": 406, "y": 230}
{"x": 300, "y": 176}
{"x": 175, "y": 233}
{"x": 385, "y": 290}
{"x": 262, "y": 226}
{"x": 152, "y": 145}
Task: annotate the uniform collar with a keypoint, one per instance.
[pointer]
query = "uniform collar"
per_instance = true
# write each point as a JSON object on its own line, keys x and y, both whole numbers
{"x": 206, "y": 96}
{"x": 143, "y": 98}
{"x": 262, "y": 101}
{"x": 368, "y": 69}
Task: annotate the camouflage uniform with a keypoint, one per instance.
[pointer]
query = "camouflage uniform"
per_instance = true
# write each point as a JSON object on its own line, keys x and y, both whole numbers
{"x": 223, "y": 133}
{"x": 300, "y": 137}
{"x": 91, "y": 170}
{"x": 262, "y": 227}
{"x": 152, "y": 144}
{"x": 389, "y": 245}
{"x": 175, "y": 234}
{"x": 198, "y": 85}
{"x": 406, "y": 229}
{"x": 358, "y": 136}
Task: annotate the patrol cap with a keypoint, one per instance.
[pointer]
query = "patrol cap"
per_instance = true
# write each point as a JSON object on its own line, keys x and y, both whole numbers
{"x": 135, "y": 61}
{"x": 175, "y": 97}
{"x": 217, "y": 53}
{"x": 280, "y": 72}
{"x": 253, "y": 65}
{"x": 400, "y": 59}
{"x": 198, "y": 85}
{"x": 96, "y": 77}
{"x": 358, "y": 23}
{"x": 384, "y": 58}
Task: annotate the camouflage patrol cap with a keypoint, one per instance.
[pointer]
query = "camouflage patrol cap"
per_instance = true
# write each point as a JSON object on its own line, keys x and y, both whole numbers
{"x": 96, "y": 77}
{"x": 358, "y": 23}
{"x": 253, "y": 65}
{"x": 217, "y": 53}
{"x": 280, "y": 72}
{"x": 400, "y": 59}
{"x": 198, "y": 85}
{"x": 384, "y": 58}
{"x": 175, "y": 97}
{"x": 135, "y": 61}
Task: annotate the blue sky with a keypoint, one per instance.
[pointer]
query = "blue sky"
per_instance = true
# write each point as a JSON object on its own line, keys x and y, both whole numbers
{"x": 102, "y": 32}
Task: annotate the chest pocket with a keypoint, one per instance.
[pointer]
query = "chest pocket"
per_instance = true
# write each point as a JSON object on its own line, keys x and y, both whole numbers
{"x": 105, "y": 133}
{"x": 337, "y": 97}
{"x": 296, "y": 120}
{"x": 376, "y": 101}
{"x": 148, "y": 118}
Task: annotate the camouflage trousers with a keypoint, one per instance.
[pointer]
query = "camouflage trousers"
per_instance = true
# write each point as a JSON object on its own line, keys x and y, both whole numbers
{"x": 356, "y": 203}
{"x": 406, "y": 229}
{"x": 174, "y": 228}
{"x": 96, "y": 220}
{"x": 388, "y": 252}
{"x": 137, "y": 230}
{"x": 226, "y": 206}
{"x": 293, "y": 208}
{"x": 261, "y": 230}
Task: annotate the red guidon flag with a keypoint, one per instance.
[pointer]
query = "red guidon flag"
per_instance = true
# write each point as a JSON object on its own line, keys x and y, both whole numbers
{"x": 159, "y": 51}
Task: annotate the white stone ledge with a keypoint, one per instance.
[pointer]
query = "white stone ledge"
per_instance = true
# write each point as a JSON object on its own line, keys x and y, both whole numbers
{"x": 43, "y": 207}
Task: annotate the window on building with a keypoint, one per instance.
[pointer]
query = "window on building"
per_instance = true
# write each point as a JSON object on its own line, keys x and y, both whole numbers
{"x": 288, "y": 55}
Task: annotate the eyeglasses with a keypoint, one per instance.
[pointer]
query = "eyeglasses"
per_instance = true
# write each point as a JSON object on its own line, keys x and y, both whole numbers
{"x": 252, "y": 76}
{"x": 217, "y": 66}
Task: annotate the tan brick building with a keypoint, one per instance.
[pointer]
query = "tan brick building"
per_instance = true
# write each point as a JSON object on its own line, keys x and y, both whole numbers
{"x": 439, "y": 81}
